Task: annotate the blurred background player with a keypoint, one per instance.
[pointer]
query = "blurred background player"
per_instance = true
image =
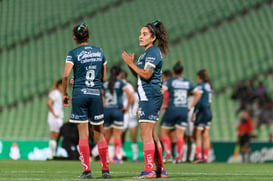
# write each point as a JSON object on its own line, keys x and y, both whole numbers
{"x": 148, "y": 72}
{"x": 113, "y": 91}
{"x": 130, "y": 117}
{"x": 176, "y": 115}
{"x": 245, "y": 128}
{"x": 189, "y": 147}
{"x": 203, "y": 116}
{"x": 70, "y": 140}
{"x": 89, "y": 67}
{"x": 55, "y": 115}
{"x": 166, "y": 74}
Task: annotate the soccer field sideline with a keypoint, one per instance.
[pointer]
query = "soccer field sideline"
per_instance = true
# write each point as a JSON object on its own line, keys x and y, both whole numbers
{"x": 70, "y": 170}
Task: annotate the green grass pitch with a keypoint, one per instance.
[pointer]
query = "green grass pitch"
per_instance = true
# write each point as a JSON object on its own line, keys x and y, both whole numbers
{"x": 70, "y": 170}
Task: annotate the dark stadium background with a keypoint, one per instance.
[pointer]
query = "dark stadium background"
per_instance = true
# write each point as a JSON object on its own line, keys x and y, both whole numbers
{"x": 232, "y": 39}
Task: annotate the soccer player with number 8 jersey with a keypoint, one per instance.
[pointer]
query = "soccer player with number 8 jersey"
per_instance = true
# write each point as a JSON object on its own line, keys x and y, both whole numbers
{"x": 89, "y": 67}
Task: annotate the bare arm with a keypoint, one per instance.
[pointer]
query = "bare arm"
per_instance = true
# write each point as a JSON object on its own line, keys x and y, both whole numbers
{"x": 129, "y": 60}
{"x": 164, "y": 92}
{"x": 103, "y": 73}
{"x": 133, "y": 72}
{"x": 50, "y": 107}
{"x": 196, "y": 97}
{"x": 130, "y": 98}
{"x": 67, "y": 69}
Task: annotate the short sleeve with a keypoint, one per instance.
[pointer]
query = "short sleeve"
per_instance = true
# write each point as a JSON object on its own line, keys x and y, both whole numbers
{"x": 53, "y": 95}
{"x": 69, "y": 58}
{"x": 191, "y": 86}
{"x": 104, "y": 61}
{"x": 165, "y": 85}
{"x": 199, "y": 87}
{"x": 152, "y": 59}
{"x": 130, "y": 86}
{"x": 123, "y": 84}
{"x": 104, "y": 85}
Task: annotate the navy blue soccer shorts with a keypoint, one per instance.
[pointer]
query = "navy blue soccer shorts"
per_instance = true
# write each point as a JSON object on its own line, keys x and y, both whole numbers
{"x": 175, "y": 117}
{"x": 87, "y": 108}
{"x": 149, "y": 110}
{"x": 113, "y": 118}
{"x": 203, "y": 118}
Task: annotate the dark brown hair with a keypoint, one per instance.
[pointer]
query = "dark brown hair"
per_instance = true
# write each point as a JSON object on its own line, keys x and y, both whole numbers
{"x": 178, "y": 68}
{"x": 114, "y": 72}
{"x": 158, "y": 30}
{"x": 204, "y": 76}
{"x": 81, "y": 33}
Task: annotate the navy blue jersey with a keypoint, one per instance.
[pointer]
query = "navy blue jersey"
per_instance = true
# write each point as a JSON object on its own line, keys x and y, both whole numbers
{"x": 206, "y": 97}
{"x": 114, "y": 100}
{"x": 151, "y": 60}
{"x": 88, "y": 61}
{"x": 178, "y": 89}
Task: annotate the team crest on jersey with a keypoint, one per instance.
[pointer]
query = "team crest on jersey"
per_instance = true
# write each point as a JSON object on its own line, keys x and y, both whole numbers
{"x": 140, "y": 113}
{"x": 140, "y": 58}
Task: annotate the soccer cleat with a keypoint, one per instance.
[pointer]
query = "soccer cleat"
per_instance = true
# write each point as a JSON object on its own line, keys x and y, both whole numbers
{"x": 177, "y": 161}
{"x": 106, "y": 174}
{"x": 117, "y": 160}
{"x": 164, "y": 174}
{"x": 167, "y": 159}
{"x": 199, "y": 161}
{"x": 86, "y": 175}
{"x": 148, "y": 175}
{"x": 161, "y": 174}
{"x": 135, "y": 161}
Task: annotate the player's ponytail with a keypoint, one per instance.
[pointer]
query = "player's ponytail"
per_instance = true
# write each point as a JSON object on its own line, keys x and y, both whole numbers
{"x": 204, "y": 76}
{"x": 114, "y": 72}
{"x": 178, "y": 68}
{"x": 158, "y": 30}
{"x": 81, "y": 33}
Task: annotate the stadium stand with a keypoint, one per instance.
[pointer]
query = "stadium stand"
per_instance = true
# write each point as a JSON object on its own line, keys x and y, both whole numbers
{"x": 232, "y": 39}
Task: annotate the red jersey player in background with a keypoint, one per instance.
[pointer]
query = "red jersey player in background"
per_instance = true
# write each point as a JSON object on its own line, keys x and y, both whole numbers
{"x": 245, "y": 128}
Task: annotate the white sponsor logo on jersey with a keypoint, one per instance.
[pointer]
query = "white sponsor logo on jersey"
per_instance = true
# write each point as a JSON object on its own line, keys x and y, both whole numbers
{"x": 85, "y": 54}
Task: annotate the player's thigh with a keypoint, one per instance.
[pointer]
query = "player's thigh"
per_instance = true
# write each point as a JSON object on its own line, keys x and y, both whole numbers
{"x": 126, "y": 121}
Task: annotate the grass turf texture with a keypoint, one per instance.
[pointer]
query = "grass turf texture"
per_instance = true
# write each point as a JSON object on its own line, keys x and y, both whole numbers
{"x": 70, "y": 170}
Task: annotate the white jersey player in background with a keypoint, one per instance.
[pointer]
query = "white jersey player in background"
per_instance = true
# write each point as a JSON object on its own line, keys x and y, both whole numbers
{"x": 55, "y": 115}
{"x": 189, "y": 152}
{"x": 130, "y": 117}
